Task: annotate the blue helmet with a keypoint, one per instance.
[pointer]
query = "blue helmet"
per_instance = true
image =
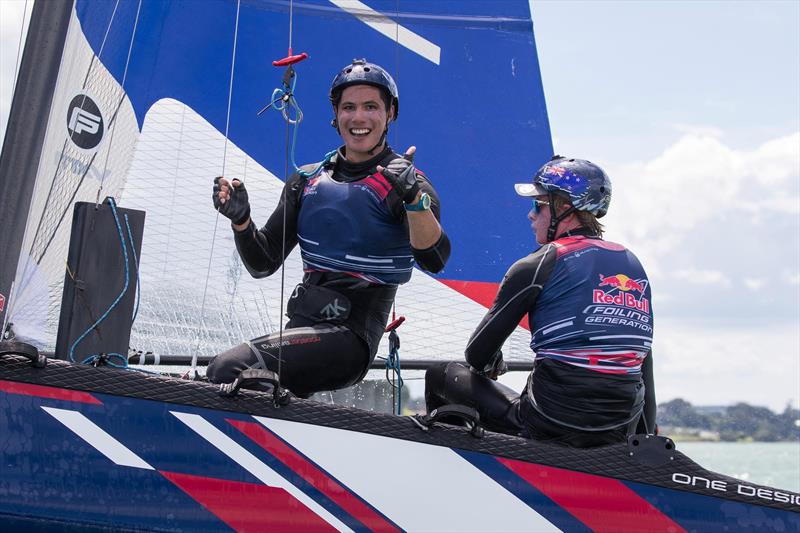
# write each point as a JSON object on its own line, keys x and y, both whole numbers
{"x": 360, "y": 72}
{"x": 585, "y": 184}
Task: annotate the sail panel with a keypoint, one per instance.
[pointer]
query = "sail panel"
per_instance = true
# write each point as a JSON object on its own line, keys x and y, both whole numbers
{"x": 471, "y": 100}
{"x": 478, "y": 117}
{"x": 86, "y": 153}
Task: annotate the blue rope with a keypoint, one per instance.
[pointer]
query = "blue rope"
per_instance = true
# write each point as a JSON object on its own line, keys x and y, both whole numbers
{"x": 136, "y": 262}
{"x": 121, "y": 294}
{"x": 107, "y": 359}
{"x": 393, "y": 364}
{"x": 283, "y": 100}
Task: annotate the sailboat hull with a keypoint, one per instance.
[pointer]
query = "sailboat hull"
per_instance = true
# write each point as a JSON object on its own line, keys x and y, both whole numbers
{"x": 93, "y": 448}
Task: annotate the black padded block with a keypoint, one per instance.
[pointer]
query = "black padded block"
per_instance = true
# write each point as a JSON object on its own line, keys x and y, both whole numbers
{"x": 94, "y": 278}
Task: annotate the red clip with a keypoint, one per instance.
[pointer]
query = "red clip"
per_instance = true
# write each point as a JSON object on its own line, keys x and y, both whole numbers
{"x": 290, "y": 59}
{"x": 394, "y": 324}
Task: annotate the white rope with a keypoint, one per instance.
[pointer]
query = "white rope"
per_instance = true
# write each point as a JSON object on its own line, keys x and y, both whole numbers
{"x": 19, "y": 45}
{"x": 291, "y": 16}
{"x": 22, "y": 286}
{"x": 216, "y": 220}
{"x": 119, "y": 106}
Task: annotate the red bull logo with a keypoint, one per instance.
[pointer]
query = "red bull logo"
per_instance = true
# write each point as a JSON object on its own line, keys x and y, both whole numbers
{"x": 311, "y": 186}
{"x": 2, "y": 303}
{"x": 624, "y": 296}
{"x": 621, "y": 282}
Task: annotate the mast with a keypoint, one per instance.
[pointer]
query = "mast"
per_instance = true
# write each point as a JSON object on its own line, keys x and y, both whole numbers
{"x": 27, "y": 125}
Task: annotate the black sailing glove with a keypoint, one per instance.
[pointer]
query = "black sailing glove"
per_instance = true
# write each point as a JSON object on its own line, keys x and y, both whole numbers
{"x": 494, "y": 368}
{"x": 402, "y": 174}
{"x": 237, "y": 206}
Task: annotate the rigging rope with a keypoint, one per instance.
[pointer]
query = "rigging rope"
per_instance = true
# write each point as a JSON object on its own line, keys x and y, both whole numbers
{"x": 193, "y": 369}
{"x": 283, "y": 100}
{"x": 111, "y": 201}
{"x": 124, "y": 93}
{"x": 124, "y": 288}
{"x": 19, "y": 45}
{"x": 393, "y": 359}
{"x": 23, "y": 286}
{"x": 396, "y": 380}
{"x": 393, "y": 364}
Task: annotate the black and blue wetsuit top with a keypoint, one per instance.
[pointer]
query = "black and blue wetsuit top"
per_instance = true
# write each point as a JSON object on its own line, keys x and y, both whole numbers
{"x": 349, "y": 227}
{"x": 588, "y": 304}
{"x": 353, "y": 235}
{"x": 594, "y": 311}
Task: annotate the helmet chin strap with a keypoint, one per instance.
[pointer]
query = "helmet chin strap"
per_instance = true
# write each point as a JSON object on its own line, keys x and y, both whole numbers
{"x": 555, "y": 220}
{"x": 381, "y": 141}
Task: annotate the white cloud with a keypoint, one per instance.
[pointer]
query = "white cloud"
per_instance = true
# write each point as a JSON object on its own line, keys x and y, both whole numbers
{"x": 708, "y": 365}
{"x": 702, "y": 277}
{"x": 699, "y": 179}
{"x": 699, "y": 186}
{"x": 754, "y": 284}
{"x": 704, "y": 131}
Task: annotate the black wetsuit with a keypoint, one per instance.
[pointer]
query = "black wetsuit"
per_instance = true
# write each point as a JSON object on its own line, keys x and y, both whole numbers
{"x": 588, "y": 306}
{"x": 320, "y": 349}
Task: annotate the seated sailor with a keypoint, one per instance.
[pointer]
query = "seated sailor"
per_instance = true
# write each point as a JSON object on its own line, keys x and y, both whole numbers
{"x": 362, "y": 220}
{"x": 588, "y": 305}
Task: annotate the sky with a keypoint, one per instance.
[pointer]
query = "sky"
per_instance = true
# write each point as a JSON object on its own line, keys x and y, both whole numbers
{"x": 693, "y": 109}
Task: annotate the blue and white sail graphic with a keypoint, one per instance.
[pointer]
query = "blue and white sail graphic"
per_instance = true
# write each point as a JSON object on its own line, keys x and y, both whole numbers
{"x": 178, "y": 85}
{"x": 471, "y": 95}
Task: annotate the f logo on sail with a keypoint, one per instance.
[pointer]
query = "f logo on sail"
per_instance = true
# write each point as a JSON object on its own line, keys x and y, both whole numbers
{"x": 85, "y": 122}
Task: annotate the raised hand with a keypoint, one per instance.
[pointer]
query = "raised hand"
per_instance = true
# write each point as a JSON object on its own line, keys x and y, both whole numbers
{"x": 402, "y": 174}
{"x": 230, "y": 199}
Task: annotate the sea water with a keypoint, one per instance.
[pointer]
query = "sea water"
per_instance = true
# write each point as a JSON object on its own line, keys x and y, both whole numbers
{"x": 776, "y": 464}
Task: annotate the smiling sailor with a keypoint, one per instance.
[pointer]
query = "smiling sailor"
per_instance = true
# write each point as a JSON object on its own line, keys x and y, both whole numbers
{"x": 588, "y": 305}
{"x": 362, "y": 219}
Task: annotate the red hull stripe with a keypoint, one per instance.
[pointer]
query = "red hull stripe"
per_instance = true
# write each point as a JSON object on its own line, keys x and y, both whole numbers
{"x": 249, "y": 506}
{"x": 13, "y": 387}
{"x": 482, "y": 292}
{"x": 314, "y": 476}
{"x": 605, "y": 505}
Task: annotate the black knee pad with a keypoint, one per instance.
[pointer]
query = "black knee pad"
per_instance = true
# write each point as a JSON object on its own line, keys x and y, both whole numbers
{"x": 435, "y": 386}
{"x": 225, "y": 367}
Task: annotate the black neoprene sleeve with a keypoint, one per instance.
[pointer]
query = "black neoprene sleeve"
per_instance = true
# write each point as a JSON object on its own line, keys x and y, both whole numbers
{"x": 516, "y": 296}
{"x": 260, "y": 249}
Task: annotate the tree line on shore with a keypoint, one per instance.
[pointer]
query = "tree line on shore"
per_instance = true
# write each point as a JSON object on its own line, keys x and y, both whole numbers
{"x": 737, "y": 422}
